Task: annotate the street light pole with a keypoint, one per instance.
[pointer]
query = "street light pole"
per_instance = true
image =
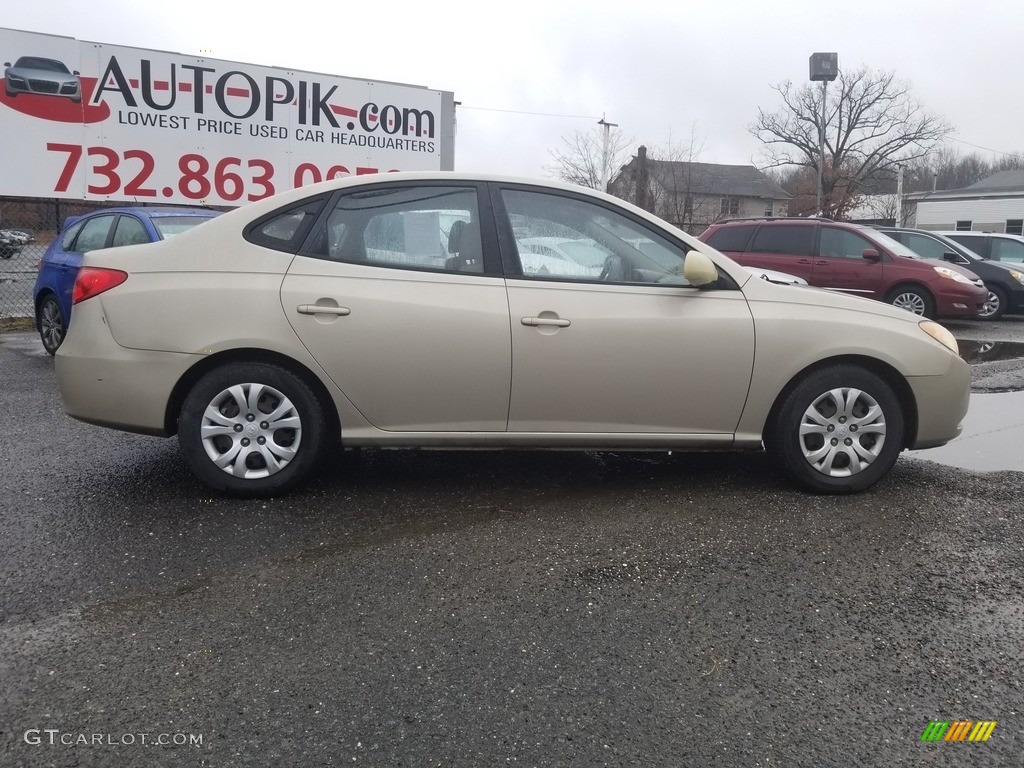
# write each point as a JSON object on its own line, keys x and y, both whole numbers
{"x": 821, "y": 144}
{"x": 824, "y": 67}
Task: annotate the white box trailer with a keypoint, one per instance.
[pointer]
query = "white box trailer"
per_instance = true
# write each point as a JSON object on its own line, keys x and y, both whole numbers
{"x": 94, "y": 121}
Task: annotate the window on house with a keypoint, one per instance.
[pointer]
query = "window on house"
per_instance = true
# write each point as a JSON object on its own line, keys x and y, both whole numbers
{"x": 769, "y": 207}
{"x": 730, "y": 206}
{"x": 1015, "y": 226}
{"x": 964, "y": 226}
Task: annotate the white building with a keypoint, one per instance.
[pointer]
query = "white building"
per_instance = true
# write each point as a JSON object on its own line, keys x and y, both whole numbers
{"x": 995, "y": 204}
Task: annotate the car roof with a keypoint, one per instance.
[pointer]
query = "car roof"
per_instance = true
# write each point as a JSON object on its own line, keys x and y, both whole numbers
{"x": 978, "y": 233}
{"x": 142, "y": 210}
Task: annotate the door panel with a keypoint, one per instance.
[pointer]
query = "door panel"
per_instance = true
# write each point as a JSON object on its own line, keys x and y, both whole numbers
{"x": 840, "y": 264}
{"x": 415, "y": 351}
{"x": 627, "y": 346}
{"x": 391, "y": 296}
{"x": 631, "y": 359}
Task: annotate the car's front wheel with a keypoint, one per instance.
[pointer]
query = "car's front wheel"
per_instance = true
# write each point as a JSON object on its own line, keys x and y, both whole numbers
{"x": 51, "y": 324}
{"x": 251, "y": 429}
{"x": 913, "y": 299}
{"x": 995, "y": 304}
{"x": 838, "y": 430}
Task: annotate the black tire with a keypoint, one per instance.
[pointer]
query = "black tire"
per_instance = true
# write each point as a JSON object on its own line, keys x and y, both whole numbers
{"x": 835, "y": 472}
{"x": 913, "y": 299}
{"x": 995, "y": 305}
{"x": 51, "y": 324}
{"x": 288, "y": 451}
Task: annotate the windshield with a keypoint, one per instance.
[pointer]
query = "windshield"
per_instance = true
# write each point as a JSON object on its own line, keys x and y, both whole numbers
{"x": 895, "y": 246}
{"x": 963, "y": 250}
{"x": 169, "y": 226}
{"x": 34, "y": 62}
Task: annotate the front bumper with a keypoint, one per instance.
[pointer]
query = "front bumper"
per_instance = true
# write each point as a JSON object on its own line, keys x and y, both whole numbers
{"x": 954, "y": 299}
{"x": 942, "y": 403}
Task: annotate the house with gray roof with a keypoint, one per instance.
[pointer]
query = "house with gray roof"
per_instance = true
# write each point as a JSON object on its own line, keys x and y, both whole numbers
{"x": 695, "y": 195}
{"x": 995, "y": 204}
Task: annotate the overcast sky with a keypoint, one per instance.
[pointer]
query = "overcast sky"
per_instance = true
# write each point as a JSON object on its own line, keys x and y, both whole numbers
{"x": 527, "y": 73}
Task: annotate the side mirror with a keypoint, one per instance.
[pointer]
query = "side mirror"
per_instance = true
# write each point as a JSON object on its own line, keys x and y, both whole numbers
{"x": 871, "y": 254}
{"x": 7, "y": 63}
{"x": 74, "y": 72}
{"x": 699, "y": 270}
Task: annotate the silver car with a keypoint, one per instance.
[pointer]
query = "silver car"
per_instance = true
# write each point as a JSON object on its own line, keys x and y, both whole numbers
{"x": 44, "y": 77}
{"x": 345, "y": 311}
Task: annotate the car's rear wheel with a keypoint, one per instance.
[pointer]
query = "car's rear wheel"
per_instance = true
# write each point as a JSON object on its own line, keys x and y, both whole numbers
{"x": 838, "y": 430}
{"x": 995, "y": 304}
{"x": 51, "y": 324}
{"x": 913, "y": 299}
{"x": 251, "y": 429}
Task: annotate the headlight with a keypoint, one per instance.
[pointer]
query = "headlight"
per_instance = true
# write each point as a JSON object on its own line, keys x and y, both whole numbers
{"x": 1018, "y": 276}
{"x": 941, "y": 335}
{"x": 952, "y": 274}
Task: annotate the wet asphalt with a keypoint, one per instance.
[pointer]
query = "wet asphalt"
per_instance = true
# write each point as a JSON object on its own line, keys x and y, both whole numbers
{"x": 505, "y": 608}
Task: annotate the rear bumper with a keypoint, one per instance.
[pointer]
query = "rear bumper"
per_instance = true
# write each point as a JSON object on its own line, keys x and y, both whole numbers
{"x": 113, "y": 386}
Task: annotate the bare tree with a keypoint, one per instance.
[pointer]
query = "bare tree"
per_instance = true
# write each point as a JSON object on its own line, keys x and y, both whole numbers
{"x": 579, "y": 159}
{"x": 872, "y": 123}
{"x": 681, "y": 178}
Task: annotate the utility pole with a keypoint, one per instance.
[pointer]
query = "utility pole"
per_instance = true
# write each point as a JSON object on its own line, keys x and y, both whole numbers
{"x": 899, "y": 195}
{"x": 604, "y": 152}
{"x": 824, "y": 67}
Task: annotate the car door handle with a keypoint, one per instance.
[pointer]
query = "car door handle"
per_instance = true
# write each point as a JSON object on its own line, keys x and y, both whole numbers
{"x": 538, "y": 321}
{"x": 320, "y": 309}
{"x": 803, "y": 261}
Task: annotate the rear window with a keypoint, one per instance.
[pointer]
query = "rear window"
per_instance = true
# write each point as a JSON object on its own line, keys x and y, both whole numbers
{"x": 168, "y": 226}
{"x": 795, "y": 240}
{"x": 731, "y": 238}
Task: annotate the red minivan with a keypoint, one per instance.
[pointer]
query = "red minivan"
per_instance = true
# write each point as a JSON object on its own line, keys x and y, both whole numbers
{"x": 853, "y": 259}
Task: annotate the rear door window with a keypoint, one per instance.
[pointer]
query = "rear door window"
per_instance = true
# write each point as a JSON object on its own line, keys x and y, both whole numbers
{"x": 130, "y": 231}
{"x": 793, "y": 240}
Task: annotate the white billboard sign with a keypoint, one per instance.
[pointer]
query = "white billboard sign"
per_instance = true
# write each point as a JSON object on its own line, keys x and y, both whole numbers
{"x": 94, "y": 121}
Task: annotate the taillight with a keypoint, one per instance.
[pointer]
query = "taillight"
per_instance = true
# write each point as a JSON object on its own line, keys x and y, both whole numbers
{"x": 92, "y": 281}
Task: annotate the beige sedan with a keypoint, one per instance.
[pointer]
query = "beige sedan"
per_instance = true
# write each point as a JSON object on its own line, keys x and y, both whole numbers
{"x": 395, "y": 311}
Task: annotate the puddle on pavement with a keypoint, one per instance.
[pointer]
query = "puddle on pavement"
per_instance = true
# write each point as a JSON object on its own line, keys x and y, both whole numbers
{"x": 975, "y": 352}
{"x": 993, "y": 436}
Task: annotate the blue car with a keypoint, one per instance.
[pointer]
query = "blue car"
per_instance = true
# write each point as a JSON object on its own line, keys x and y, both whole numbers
{"x": 104, "y": 228}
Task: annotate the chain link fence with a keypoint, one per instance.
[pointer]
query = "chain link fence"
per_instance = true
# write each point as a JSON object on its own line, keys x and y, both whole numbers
{"x": 27, "y": 227}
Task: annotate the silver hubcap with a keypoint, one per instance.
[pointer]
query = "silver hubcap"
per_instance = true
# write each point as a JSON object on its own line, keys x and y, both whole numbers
{"x": 991, "y": 305}
{"x": 50, "y": 324}
{"x": 251, "y": 431}
{"x": 842, "y": 432}
{"x": 910, "y": 302}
